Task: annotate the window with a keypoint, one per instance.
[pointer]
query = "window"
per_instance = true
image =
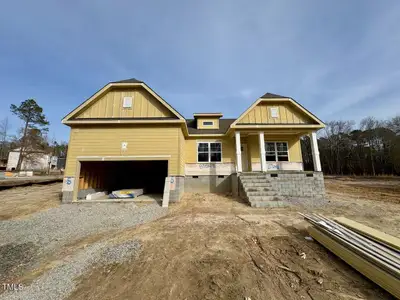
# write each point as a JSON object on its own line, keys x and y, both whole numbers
{"x": 276, "y": 151}
{"x": 127, "y": 102}
{"x": 209, "y": 152}
{"x": 274, "y": 112}
{"x": 208, "y": 123}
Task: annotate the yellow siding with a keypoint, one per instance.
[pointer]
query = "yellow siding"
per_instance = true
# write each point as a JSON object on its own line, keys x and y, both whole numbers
{"x": 228, "y": 149}
{"x": 144, "y": 140}
{"x": 288, "y": 114}
{"x": 202, "y": 119}
{"x": 109, "y": 105}
{"x": 293, "y": 144}
{"x": 182, "y": 152}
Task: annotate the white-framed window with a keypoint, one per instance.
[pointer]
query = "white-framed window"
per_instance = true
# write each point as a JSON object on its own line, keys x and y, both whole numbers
{"x": 208, "y": 123}
{"x": 209, "y": 152}
{"x": 274, "y": 112}
{"x": 276, "y": 151}
{"x": 127, "y": 102}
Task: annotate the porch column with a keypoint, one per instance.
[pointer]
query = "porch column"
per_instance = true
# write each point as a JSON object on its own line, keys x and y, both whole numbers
{"x": 238, "y": 153}
{"x": 315, "y": 152}
{"x": 262, "y": 152}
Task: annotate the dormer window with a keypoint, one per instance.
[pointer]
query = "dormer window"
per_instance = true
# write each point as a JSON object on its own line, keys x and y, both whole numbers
{"x": 208, "y": 123}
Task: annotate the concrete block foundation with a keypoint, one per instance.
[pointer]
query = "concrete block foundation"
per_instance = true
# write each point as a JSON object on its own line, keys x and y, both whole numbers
{"x": 298, "y": 184}
{"x": 67, "y": 197}
{"x": 177, "y": 188}
{"x": 208, "y": 184}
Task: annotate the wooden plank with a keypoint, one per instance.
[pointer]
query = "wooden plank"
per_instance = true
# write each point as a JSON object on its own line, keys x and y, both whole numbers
{"x": 369, "y": 232}
{"x": 359, "y": 250}
{"x": 372, "y": 247}
{"x": 374, "y": 273}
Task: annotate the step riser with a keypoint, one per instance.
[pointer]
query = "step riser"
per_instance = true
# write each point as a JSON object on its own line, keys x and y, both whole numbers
{"x": 256, "y": 185}
{"x": 258, "y": 189}
{"x": 266, "y": 184}
{"x": 254, "y": 180}
{"x": 262, "y": 198}
{"x": 258, "y": 194}
{"x": 252, "y": 177}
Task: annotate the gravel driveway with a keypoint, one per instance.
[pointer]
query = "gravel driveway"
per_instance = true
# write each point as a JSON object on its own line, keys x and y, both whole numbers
{"x": 31, "y": 239}
{"x": 61, "y": 225}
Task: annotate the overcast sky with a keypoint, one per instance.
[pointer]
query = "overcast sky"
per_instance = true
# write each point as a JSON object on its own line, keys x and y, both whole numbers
{"x": 340, "y": 59}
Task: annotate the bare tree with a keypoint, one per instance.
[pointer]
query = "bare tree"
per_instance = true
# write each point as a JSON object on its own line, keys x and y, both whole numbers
{"x": 4, "y": 127}
{"x": 336, "y": 134}
{"x": 394, "y": 125}
{"x": 372, "y": 140}
{"x": 371, "y": 149}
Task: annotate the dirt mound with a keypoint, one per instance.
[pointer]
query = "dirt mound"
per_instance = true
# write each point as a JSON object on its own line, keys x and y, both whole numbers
{"x": 203, "y": 260}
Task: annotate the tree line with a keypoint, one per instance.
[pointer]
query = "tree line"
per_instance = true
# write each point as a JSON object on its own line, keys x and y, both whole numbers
{"x": 32, "y": 138}
{"x": 371, "y": 148}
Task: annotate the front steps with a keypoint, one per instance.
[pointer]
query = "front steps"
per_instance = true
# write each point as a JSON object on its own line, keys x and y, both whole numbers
{"x": 258, "y": 190}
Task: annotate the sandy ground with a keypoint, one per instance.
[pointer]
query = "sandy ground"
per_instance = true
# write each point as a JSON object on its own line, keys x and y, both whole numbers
{"x": 215, "y": 247}
{"x": 20, "y": 202}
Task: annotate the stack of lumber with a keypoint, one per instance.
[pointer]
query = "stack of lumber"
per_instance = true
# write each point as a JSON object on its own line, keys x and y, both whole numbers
{"x": 373, "y": 253}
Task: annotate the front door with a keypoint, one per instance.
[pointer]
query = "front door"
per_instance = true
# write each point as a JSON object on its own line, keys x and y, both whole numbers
{"x": 245, "y": 162}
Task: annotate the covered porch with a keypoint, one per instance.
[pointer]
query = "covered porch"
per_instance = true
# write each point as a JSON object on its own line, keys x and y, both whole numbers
{"x": 273, "y": 150}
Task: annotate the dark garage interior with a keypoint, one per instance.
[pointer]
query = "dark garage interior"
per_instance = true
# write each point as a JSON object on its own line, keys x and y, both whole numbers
{"x": 109, "y": 176}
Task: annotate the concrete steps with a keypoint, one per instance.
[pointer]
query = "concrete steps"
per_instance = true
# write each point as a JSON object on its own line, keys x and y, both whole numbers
{"x": 260, "y": 194}
{"x": 258, "y": 191}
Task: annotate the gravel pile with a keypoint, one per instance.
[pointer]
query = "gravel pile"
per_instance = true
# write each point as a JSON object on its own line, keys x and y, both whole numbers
{"x": 58, "y": 283}
{"x": 59, "y": 226}
{"x": 119, "y": 253}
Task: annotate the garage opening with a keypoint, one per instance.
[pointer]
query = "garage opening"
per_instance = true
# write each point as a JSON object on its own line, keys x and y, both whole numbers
{"x": 108, "y": 176}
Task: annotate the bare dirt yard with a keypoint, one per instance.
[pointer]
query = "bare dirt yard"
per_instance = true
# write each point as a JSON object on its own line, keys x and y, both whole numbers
{"x": 22, "y": 201}
{"x": 215, "y": 247}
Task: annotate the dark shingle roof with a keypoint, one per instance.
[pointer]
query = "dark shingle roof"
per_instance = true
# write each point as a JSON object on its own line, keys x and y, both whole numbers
{"x": 223, "y": 127}
{"x": 270, "y": 95}
{"x": 131, "y": 80}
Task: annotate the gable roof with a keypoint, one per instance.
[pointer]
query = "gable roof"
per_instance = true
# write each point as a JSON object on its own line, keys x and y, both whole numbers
{"x": 271, "y": 96}
{"x": 122, "y": 83}
{"x": 267, "y": 96}
{"x": 130, "y": 80}
{"x": 224, "y": 125}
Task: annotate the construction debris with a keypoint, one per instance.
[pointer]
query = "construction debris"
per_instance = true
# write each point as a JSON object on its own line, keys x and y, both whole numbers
{"x": 96, "y": 196}
{"x": 128, "y": 193}
{"x": 369, "y": 251}
{"x": 372, "y": 233}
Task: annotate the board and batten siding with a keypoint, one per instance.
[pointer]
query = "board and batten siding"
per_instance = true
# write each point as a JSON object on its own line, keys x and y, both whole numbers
{"x": 110, "y": 105}
{"x": 148, "y": 140}
{"x": 288, "y": 114}
{"x": 293, "y": 145}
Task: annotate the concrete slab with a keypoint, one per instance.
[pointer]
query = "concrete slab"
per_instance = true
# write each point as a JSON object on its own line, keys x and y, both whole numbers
{"x": 145, "y": 198}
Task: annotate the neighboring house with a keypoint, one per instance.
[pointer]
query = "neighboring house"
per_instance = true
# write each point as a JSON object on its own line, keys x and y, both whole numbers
{"x": 127, "y": 136}
{"x": 34, "y": 161}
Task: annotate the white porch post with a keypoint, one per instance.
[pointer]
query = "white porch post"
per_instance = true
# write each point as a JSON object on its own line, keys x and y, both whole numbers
{"x": 315, "y": 152}
{"x": 238, "y": 153}
{"x": 262, "y": 152}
